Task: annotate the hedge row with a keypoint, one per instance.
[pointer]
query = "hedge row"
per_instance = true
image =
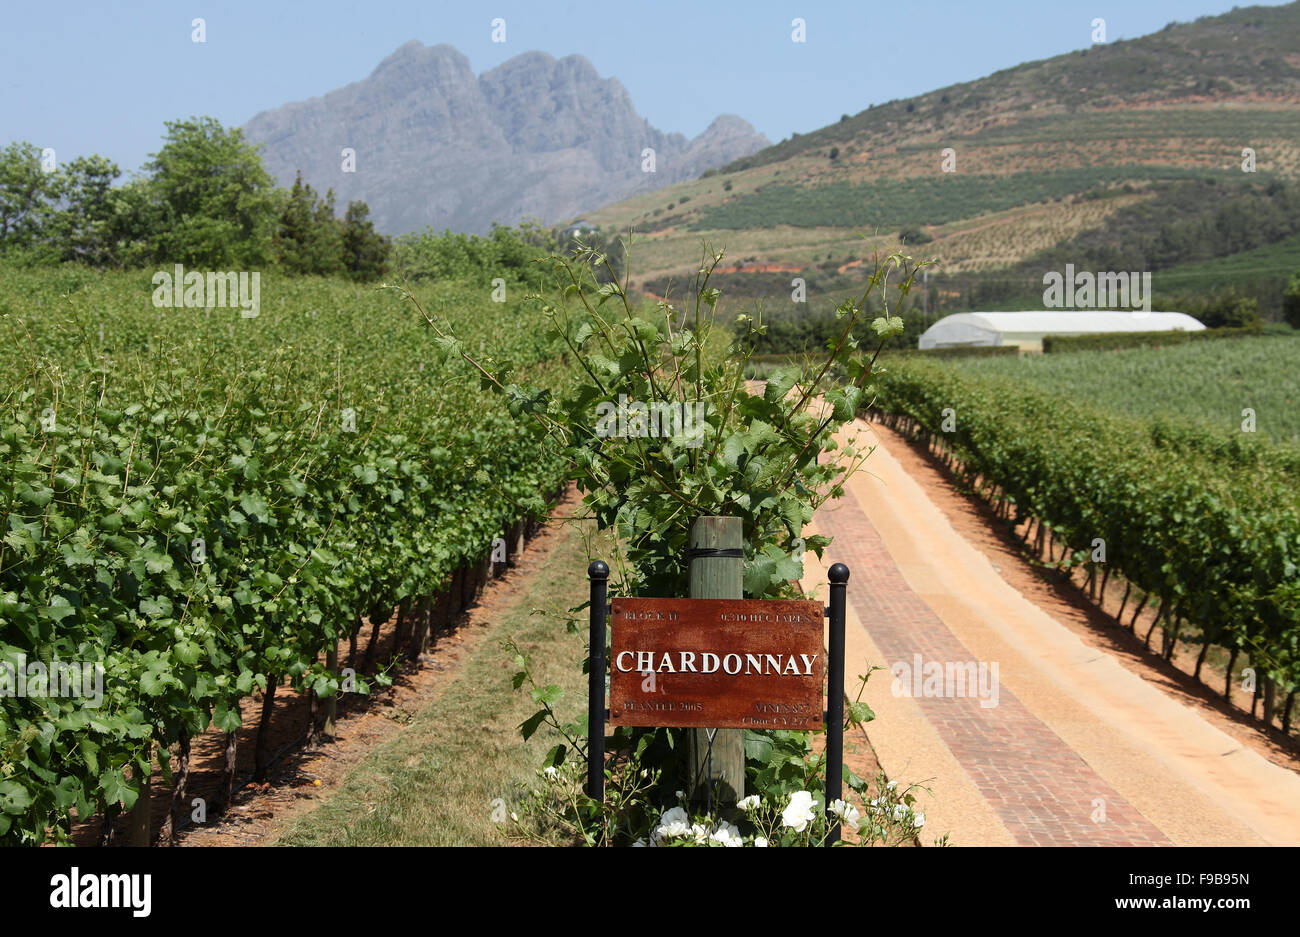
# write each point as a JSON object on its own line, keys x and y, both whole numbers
{"x": 1115, "y": 341}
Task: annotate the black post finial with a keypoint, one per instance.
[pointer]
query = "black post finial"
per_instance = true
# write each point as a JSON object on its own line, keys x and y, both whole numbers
{"x": 838, "y": 573}
{"x": 598, "y": 569}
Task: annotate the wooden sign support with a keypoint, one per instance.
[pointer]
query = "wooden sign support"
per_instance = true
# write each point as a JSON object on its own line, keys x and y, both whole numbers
{"x": 715, "y": 756}
{"x": 733, "y": 664}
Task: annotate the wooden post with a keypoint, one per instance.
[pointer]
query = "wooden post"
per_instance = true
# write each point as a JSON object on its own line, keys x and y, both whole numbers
{"x": 180, "y": 791}
{"x": 420, "y": 632}
{"x": 468, "y": 584}
{"x": 332, "y": 702}
{"x": 262, "y": 748}
{"x": 516, "y": 544}
{"x": 139, "y": 828}
{"x": 717, "y": 575}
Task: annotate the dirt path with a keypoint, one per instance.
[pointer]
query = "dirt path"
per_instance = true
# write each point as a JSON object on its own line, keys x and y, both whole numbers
{"x": 1084, "y": 741}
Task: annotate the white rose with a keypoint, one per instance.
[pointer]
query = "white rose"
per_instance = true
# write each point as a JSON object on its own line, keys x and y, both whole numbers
{"x": 799, "y": 813}
{"x": 845, "y": 812}
{"x": 727, "y": 834}
{"x": 674, "y": 815}
{"x": 674, "y": 822}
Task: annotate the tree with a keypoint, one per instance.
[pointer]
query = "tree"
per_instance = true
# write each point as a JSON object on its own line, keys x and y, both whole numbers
{"x": 27, "y": 197}
{"x": 218, "y": 207}
{"x": 1291, "y": 302}
{"x": 835, "y": 152}
{"x": 327, "y": 237}
{"x": 366, "y": 252}
{"x": 309, "y": 239}
{"x": 88, "y": 227}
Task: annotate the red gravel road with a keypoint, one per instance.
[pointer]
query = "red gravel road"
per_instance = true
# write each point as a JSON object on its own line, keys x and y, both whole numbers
{"x": 1083, "y": 743}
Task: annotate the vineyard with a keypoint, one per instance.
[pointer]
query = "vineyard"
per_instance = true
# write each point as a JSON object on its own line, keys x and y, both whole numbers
{"x": 934, "y": 199}
{"x": 1209, "y": 383}
{"x": 204, "y": 504}
{"x": 1206, "y": 527}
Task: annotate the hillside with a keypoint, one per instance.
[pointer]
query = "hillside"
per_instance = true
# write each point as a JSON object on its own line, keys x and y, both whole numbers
{"x": 1047, "y": 154}
{"x": 438, "y": 146}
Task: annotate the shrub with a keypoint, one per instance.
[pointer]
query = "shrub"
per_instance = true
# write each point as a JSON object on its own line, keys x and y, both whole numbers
{"x": 1114, "y": 341}
{"x": 1228, "y": 310}
{"x": 1291, "y": 302}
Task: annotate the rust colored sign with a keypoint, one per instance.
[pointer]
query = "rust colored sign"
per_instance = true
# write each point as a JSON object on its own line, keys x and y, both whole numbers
{"x": 716, "y": 663}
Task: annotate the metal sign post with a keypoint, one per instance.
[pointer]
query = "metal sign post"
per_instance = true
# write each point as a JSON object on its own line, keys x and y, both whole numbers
{"x": 839, "y": 578}
{"x": 598, "y": 573}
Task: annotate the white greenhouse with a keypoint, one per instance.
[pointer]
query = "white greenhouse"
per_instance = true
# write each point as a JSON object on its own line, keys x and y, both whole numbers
{"x": 1026, "y": 329}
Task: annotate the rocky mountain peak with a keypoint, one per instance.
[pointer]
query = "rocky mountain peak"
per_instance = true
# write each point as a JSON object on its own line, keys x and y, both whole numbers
{"x": 437, "y": 146}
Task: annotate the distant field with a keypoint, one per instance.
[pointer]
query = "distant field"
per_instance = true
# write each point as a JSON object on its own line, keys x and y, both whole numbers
{"x": 1208, "y": 383}
{"x": 1281, "y": 259}
{"x": 933, "y": 199}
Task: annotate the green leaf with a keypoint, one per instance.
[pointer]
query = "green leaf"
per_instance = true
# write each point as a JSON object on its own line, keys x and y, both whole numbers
{"x": 885, "y": 328}
{"x": 858, "y": 713}
{"x": 89, "y": 754}
{"x": 156, "y": 562}
{"x": 58, "y": 609}
{"x": 187, "y": 652}
{"x": 555, "y": 757}
{"x": 226, "y": 718}
{"x": 758, "y": 747}
{"x": 153, "y": 682}
{"x": 531, "y": 724}
{"x": 548, "y": 696}
{"x": 14, "y": 797}
{"x": 158, "y": 606}
{"x": 113, "y": 787}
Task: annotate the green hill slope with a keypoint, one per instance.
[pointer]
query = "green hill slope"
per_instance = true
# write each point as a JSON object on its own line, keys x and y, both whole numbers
{"x": 1094, "y": 152}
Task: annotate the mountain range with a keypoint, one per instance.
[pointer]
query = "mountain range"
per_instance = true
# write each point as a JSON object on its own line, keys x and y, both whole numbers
{"x": 427, "y": 143}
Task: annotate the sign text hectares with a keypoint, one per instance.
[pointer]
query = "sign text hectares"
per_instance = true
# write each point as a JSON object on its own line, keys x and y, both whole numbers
{"x": 716, "y": 663}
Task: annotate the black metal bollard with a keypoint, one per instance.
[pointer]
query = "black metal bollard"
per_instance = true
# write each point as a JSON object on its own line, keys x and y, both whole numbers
{"x": 598, "y": 573}
{"x": 839, "y": 578}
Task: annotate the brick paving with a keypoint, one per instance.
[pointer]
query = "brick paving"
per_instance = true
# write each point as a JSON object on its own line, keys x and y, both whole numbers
{"x": 1042, "y": 790}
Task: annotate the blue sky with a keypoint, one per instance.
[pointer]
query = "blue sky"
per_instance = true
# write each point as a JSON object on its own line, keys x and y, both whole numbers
{"x": 101, "y": 77}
